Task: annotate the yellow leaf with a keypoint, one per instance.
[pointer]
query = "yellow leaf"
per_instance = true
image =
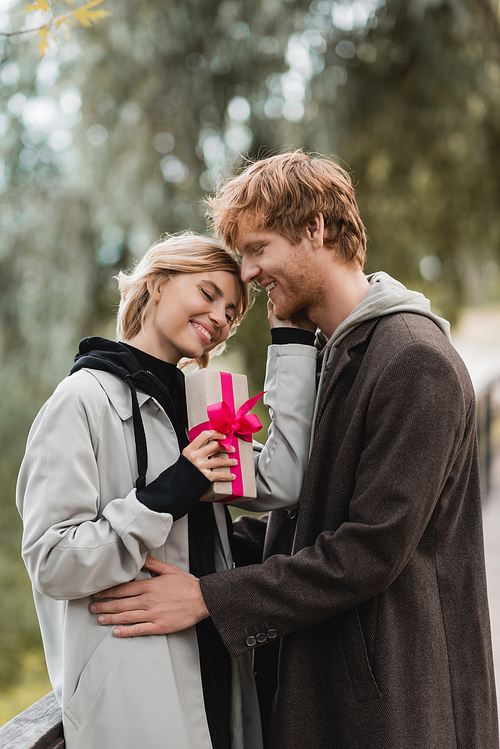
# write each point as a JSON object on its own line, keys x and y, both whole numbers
{"x": 86, "y": 16}
{"x": 92, "y": 4}
{"x": 44, "y": 35}
{"x": 66, "y": 22}
{"x": 43, "y": 5}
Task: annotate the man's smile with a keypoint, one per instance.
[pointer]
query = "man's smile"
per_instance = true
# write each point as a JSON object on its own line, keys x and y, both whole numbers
{"x": 270, "y": 286}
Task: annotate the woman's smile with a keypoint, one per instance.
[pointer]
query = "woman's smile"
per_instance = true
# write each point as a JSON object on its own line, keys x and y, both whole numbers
{"x": 193, "y": 313}
{"x": 205, "y": 333}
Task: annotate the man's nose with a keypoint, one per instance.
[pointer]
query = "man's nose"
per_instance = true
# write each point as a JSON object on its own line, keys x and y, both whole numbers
{"x": 249, "y": 270}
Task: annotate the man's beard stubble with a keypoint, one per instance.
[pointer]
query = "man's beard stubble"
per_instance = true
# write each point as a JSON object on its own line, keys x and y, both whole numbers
{"x": 304, "y": 297}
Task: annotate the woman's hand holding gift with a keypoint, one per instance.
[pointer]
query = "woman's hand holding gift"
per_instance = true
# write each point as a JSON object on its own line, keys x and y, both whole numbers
{"x": 205, "y": 453}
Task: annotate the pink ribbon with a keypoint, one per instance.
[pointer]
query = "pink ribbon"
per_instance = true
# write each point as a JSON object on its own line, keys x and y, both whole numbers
{"x": 222, "y": 417}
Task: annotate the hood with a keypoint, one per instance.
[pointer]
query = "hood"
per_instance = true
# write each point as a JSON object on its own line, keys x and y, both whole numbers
{"x": 108, "y": 356}
{"x": 385, "y": 296}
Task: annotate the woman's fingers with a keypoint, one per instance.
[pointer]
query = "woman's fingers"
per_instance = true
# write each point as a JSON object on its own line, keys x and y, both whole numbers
{"x": 218, "y": 476}
{"x": 208, "y": 435}
{"x": 206, "y": 454}
{"x": 210, "y": 465}
{"x": 221, "y": 462}
{"x": 211, "y": 448}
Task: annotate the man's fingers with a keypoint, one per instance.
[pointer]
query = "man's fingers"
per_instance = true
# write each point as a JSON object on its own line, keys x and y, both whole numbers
{"x": 118, "y": 605}
{"x": 172, "y": 602}
{"x": 125, "y": 590}
{"x": 126, "y": 617}
{"x": 138, "y": 587}
{"x": 163, "y": 568}
{"x": 136, "y": 630}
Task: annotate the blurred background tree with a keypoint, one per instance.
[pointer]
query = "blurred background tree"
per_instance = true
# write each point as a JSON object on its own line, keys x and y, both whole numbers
{"x": 115, "y": 136}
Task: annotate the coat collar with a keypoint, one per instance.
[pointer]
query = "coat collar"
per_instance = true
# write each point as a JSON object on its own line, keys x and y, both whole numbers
{"x": 118, "y": 393}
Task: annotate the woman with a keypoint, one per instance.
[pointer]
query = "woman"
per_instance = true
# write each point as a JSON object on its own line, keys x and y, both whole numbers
{"x": 109, "y": 476}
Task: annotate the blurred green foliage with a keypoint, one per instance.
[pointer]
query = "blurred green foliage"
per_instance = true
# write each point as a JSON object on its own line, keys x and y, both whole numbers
{"x": 115, "y": 137}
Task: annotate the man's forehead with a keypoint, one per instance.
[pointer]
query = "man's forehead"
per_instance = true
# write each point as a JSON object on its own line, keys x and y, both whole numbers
{"x": 247, "y": 238}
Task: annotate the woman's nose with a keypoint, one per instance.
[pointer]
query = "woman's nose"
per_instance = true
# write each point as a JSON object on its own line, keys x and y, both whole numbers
{"x": 218, "y": 316}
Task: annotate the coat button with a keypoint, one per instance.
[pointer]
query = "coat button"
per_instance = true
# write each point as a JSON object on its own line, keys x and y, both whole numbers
{"x": 259, "y": 678}
{"x": 291, "y": 514}
{"x": 251, "y": 641}
{"x": 261, "y": 637}
{"x": 272, "y": 634}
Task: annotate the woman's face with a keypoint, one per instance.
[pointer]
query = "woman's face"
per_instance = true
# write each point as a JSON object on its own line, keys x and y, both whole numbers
{"x": 193, "y": 314}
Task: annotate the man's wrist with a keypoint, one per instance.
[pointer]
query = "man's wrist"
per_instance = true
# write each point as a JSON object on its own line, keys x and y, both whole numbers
{"x": 201, "y": 612}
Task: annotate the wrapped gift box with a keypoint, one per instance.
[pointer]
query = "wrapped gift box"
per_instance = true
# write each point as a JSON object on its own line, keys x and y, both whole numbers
{"x": 219, "y": 400}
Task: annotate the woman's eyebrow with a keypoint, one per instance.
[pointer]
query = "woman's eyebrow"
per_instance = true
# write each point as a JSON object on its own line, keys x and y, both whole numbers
{"x": 217, "y": 290}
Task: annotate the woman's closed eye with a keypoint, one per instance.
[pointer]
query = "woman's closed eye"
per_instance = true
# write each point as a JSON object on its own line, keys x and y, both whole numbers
{"x": 206, "y": 294}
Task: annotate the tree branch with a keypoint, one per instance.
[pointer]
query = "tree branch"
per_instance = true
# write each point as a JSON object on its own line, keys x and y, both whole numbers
{"x": 27, "y": 31}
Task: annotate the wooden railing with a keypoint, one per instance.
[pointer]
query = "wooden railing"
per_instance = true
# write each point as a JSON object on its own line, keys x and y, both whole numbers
{"x": 40, "y": 727}
{"x": 488, "y": 432}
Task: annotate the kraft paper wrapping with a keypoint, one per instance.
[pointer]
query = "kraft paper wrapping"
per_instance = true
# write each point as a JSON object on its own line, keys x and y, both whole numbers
{"x": 204, "y": 388}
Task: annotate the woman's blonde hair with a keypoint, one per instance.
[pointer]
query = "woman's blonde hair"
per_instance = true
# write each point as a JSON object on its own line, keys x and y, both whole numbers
{"x": 170, "y": 256}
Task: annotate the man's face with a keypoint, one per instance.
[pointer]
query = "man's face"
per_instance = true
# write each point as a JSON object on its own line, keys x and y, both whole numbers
{"x": 286, "y": 271}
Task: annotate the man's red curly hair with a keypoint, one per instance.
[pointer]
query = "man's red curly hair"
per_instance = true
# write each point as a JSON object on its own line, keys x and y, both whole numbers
{"x": 283, "y": 193}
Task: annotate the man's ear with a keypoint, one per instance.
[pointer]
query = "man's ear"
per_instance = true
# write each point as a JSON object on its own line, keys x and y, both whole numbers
{"x": 315, "y": 231}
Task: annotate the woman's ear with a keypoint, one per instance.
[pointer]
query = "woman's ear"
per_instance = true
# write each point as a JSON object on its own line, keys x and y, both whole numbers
{"x": 155, "y": 286}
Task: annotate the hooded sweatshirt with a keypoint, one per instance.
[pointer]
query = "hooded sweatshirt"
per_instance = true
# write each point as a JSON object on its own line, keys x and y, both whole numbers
{"x": 385, "y": 296}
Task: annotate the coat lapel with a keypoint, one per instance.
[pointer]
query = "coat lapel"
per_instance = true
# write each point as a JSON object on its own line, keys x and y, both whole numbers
{"x": 118, "y": 393}
{"x": 341, "y": 359}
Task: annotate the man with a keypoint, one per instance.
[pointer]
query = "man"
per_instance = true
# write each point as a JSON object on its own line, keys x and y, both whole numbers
{"x": 374, "y": 588}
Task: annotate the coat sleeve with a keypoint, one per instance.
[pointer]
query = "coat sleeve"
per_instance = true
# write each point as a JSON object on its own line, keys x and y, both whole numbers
{"x": 417, "y": 422}
{"x": 280, "y": 464}
{"x": 71, "y": 547}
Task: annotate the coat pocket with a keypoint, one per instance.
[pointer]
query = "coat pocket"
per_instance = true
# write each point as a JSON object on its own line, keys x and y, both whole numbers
{"x": 94, "y": 676}
{"x": 356, "y": 658}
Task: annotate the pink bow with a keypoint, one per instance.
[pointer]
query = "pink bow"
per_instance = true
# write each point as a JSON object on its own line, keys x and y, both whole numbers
{"x": 240, "y": 424}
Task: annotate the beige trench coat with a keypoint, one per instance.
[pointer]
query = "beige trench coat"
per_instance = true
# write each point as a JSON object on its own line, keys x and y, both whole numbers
{"x": 85, "y": 530}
